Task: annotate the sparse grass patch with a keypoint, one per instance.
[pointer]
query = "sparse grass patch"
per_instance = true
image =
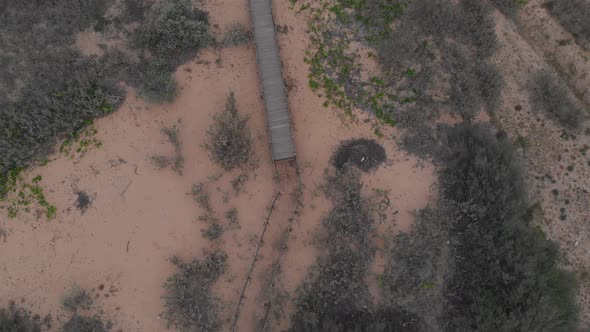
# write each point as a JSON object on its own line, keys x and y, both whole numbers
{"x": 236, "y": 35}
{"x": 212, "y": 232}
{"x": 229, "y": 140}
{"x": 188, "y": 299}
{"x": 201, "y": 196}
{"x": 25, "y": 197}
{"x": 238, "y": 182}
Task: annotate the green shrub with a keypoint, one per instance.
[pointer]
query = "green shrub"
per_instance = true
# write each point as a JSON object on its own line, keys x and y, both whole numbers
{"x": 188, "y": 300}
{"x": 228, "y": 139}
{"x": 174, "y": 28}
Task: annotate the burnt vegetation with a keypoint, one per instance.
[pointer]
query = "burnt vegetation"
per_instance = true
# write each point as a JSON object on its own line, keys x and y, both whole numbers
{"x": 49, "y": 90}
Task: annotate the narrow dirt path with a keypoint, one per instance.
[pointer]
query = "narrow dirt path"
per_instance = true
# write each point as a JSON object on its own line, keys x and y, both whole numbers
{"x": 256, "y": 299}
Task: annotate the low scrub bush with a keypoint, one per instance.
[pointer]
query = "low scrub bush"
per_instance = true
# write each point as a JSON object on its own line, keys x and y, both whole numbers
{"x": 173, "y": 29}
{"x": 157, "y": 83}
{"x": 228, "y": 139}
{"x": 79, "y": 323}
{"x": 551, "y": 96}
{"x": 16, "y": 319}
{"x": 236, "y": 35}
{"x": 76, "y": 298}
{"x": 363, "y": 153}
{"x": 188, "y": 300}
{"x": 573, "y": 15}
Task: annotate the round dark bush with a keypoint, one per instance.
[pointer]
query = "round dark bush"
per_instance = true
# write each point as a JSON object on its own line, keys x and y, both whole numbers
{"x": 364, "y": 153}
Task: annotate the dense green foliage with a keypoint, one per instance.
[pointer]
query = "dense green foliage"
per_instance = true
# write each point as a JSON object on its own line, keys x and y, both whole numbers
{"x": 189, "y": 303}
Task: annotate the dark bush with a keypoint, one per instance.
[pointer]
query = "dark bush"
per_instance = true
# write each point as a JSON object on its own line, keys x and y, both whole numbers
{"x": 157, "y": 83}
{"x": 549, "y": 94}
{"x": 508, "y": 7}
{"x": 573, "y": 15}
{"x": 228, "y": 139}
{"x": 79, "y": 323}
{"x": 77, "y": 298}
{"x": 173, "y": 29}
{"x": 363, "y": 153}
{"x": 83, "y": 201}
{"x": 15, "y": 319}
{"x": 47, "y": 89}
{"x": 506, "y": 275}
{"x": 189, "y": 303}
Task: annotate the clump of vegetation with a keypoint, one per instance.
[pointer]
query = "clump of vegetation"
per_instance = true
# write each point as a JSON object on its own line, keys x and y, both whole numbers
{"x": 83, "y": 201}
{"x": 236, "y": 35}
{"x": 550, "y": 95}
{"x": 79, "y": 323}
{"x": 363, "y": 153}
{"x": 201, "y": 196}
{"x": 49, "y": 90}
{"x": 188, "y": 299}
{"x": 229, "y": 140}
{"x": 238, "y": 182}
{"x": 160, "y": 161}
{"x": 21, "y": 196}
{"x": 212, "y": 232}
{"x": 16, "y": 319}
{"x": 173, "y": 29}
{"x": 231, "y": 216}
{"x": 76, "y": 298}
{"x": 573, "y": 15}
{"x": 493, "y": 245}
{"x": 156, "y": 81}
{"x": 174, "y": 138}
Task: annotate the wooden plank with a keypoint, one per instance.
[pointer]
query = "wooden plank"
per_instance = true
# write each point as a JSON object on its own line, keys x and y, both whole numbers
{"x": 273, "y": 86}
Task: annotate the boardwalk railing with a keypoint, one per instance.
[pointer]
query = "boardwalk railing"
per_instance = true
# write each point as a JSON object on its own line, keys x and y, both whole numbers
{"x": 273, "y": 86}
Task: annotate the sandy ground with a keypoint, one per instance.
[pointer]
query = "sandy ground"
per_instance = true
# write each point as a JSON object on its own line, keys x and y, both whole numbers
{"x": 140, "y": 216}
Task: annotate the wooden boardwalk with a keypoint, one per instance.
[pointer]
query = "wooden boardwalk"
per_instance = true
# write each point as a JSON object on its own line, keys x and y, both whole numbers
{"x": 273, "y": 86}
